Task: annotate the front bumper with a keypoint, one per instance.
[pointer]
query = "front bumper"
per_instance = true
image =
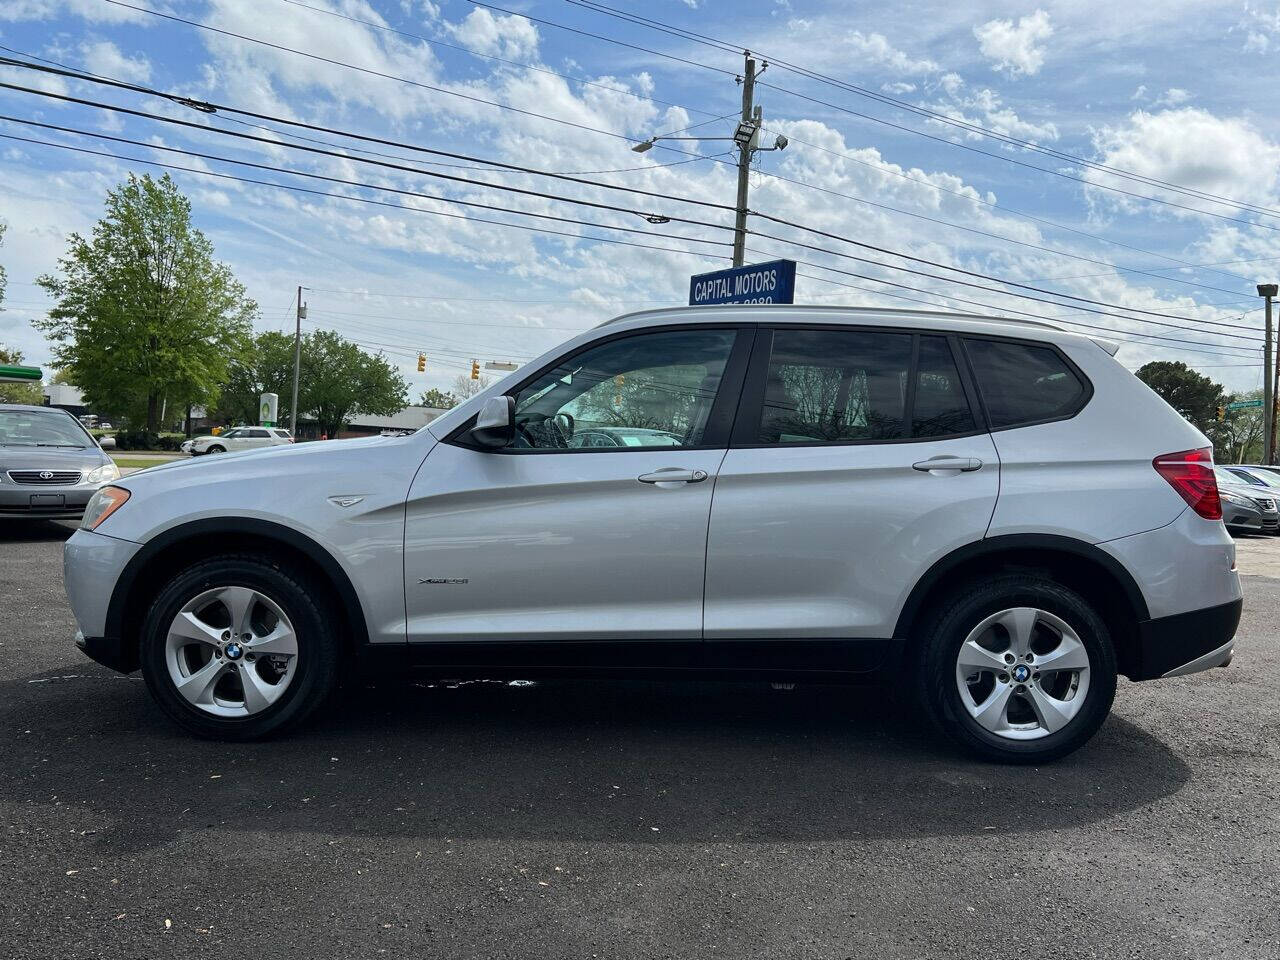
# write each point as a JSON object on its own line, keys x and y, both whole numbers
{"x": 92, "y": 564}
{"x": 108, "y": 651}
{"x": 1187, "y": 642}
{"x": 45, "y": 503}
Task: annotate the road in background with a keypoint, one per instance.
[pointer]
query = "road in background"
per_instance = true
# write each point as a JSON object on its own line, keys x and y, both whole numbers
{"x": 625, "y": 820}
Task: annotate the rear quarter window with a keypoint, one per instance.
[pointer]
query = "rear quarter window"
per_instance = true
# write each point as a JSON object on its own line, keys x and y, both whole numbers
{"x": 1022, "y": 383}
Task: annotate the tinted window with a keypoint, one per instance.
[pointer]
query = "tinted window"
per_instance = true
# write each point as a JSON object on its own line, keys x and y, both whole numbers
{"x": 835, "y": 385}
{"x": 941, "y": 407}
{"x": 257, "y": 433}
{"x": 651, "y": 390}
{"x": 1022, "y": 383}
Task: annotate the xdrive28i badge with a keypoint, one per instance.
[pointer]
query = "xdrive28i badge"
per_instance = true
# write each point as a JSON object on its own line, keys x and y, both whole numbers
{"x": 439, "y": 580}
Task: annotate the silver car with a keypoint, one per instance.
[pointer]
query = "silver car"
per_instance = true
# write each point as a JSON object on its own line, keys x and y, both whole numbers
{"x": 994, "y": 516}
{"x": 49, "y": 464}
{"x": 1246, "y": 507}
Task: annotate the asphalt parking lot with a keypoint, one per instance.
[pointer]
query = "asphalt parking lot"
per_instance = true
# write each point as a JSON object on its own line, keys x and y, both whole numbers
{"x": 625, "y": 820}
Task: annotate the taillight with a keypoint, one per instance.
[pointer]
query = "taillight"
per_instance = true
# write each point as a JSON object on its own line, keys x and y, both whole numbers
{"x": 1190, "y": 472}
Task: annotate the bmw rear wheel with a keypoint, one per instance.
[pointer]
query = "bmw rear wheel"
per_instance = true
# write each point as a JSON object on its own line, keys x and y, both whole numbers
{"x": 237, "y": 648}
{"x": 1019, "y": 668}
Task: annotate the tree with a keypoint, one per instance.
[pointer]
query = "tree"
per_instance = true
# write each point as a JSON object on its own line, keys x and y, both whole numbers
{"x": 265, "y": 365}
{"x": 18, "y": 392}
{"x": 1192, "y": 394}
{"x": 146, "y": 320}
{"x": 439, "y": 399}
{"x": 464, "y": 388}
{"x": 1239, "y": 436}
{"x": 340, "y": 380}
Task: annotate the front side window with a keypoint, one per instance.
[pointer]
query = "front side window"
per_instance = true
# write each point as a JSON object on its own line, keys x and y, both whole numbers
{"x": 835, "y": 386}
{"x": 1021, "y": 383}
{"x": 650, "y": 390}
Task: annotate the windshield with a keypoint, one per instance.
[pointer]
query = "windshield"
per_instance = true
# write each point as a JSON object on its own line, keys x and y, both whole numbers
{"x": 41, "y": 428}
{"x": 1260, "y": 478}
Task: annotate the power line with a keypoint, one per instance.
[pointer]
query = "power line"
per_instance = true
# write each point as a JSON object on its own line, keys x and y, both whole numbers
{"x": 546, "y": 216}
{"x": 498, "y": 164}
{"x": 356, "y": 199}
{"x": 937, "y": 116}
{"x": 527, "y": 192}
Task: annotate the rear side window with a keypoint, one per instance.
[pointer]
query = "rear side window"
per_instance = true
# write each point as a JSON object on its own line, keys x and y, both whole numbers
{"x": 1021, "y": 383}
{"x": 835, "y": 386}
{"x": 941, "y": 408}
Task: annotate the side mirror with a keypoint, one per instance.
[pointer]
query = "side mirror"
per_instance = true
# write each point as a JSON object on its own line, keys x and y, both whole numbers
{"x": 496, "y": 423}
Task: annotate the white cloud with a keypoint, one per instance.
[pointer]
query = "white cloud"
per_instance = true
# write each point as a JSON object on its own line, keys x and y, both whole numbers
{"x": 92, "y": 10}
{"x": 1140, "y": 93}
{"x": 105, "y": 59}
{"x": 1173, "y": 97}
{"x": 873, "y": 49}
{"x": 1192, "y": 148}
{"x": 512, "y": 37}
{"x": 898, "y": 88}
{"x": 1015, "y": 49}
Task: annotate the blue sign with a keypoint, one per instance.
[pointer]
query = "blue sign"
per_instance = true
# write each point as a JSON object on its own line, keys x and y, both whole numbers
{"x": 773, "y": 282}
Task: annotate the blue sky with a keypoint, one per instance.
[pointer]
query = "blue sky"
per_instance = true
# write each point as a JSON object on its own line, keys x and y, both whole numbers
{"x": 1180, "y": 92}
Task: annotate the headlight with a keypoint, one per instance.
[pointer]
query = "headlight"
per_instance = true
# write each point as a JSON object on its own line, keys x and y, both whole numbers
{"x": 102, "y": 505}
{"x": 1238, "y": 501}
{"x": 108, "y": 471}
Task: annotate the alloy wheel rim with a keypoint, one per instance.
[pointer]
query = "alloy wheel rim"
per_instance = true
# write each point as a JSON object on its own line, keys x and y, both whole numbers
{"x": 1023, "y": 673}
{"x": 231, "y": 651}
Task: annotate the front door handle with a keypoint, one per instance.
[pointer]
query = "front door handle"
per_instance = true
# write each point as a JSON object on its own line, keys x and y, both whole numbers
{"x": 958, "y": 464}
{"x": 673, "y": 475}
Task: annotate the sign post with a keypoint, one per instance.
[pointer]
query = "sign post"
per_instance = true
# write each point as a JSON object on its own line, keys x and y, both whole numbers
{"x": 772, "y": 282}
{"x": 268, "y": 409}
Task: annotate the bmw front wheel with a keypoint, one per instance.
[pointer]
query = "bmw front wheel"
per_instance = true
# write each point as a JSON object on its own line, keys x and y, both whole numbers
{"x": 236, "y": 648}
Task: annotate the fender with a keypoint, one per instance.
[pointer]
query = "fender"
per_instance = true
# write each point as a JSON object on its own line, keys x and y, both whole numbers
{"x": 117, "y": 610}
{"x": 1019, "y": 542}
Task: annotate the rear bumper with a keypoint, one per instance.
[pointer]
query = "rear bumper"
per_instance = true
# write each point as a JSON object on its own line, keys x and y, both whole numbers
{"x": 1187, "y": 642}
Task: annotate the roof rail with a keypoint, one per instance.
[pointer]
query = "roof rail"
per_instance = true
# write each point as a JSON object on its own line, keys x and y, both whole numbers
{"x": 836, "y": 308}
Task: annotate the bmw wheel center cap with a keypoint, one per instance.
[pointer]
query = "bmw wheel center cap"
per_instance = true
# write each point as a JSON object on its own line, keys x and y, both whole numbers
{"x": 1021, "y": 672}
{"x": 234, "y": 651}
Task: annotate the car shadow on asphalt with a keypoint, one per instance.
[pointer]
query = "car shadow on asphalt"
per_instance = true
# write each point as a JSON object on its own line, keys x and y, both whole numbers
{"x": 35, "y": 531}
{"x": 642, "y": 762}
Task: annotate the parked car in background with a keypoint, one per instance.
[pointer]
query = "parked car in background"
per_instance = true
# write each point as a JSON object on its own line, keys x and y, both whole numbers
{"x": 1246, "y": 508}
{"x": 994, "y": 516}
{"x": 238, "y": 438}
{"x": 49, "y": 464}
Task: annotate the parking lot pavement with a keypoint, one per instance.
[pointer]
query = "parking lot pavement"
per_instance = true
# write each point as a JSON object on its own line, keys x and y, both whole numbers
{"x": 625, "y": 820}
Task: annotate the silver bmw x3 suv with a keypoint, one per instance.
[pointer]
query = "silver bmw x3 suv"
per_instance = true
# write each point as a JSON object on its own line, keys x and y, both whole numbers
{"x": 995, "y": 515}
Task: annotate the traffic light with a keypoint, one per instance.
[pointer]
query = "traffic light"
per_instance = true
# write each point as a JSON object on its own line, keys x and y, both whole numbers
{"x": 422, "y": 363}
{"x": 1222, "y": 413}
{"x": 475, "y": 369}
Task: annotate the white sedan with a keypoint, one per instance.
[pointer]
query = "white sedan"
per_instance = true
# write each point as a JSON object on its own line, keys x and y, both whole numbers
{"x": 240, "y": 438}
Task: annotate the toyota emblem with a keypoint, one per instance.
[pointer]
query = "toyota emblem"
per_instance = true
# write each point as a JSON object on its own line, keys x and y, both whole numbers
{"x": 46, "y": 474}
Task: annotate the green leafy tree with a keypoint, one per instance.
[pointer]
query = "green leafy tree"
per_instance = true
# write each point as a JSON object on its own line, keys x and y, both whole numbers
{"x": 440, "y": 399}
{"x": 1238, "y": 437}
{"x": 1192, "y": 394}
{"x": 264, "y": 366}
{"x": 146, "y": 321}
{"x": 339, "y": 380}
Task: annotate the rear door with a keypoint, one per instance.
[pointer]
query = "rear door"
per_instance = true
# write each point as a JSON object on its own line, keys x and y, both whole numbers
{"x": 858, "y": 459}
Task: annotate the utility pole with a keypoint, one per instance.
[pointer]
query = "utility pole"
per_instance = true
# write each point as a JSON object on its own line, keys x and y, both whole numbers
{"x": 1267, "y": 291}
{"x": 297, "y": 364}
{"x": 750, "y": 117}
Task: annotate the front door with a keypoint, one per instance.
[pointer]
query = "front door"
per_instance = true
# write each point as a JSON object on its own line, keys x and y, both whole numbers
{"x": 858, "y": 460}
{"x": 592, "y": 525}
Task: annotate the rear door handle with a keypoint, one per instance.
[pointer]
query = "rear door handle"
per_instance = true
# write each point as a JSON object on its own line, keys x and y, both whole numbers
{"x": 673, "y": 475}
{"x": 959, "y": 464}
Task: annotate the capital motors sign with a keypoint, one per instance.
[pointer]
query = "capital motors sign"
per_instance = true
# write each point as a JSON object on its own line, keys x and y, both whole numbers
{"x": 772, "y": 282}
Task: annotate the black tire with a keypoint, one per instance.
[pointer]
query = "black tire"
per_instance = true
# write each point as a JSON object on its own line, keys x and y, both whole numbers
{"x": 303, "y": 600}
{"x": 216, "y": 448}
{"x": 964, "y": 609}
